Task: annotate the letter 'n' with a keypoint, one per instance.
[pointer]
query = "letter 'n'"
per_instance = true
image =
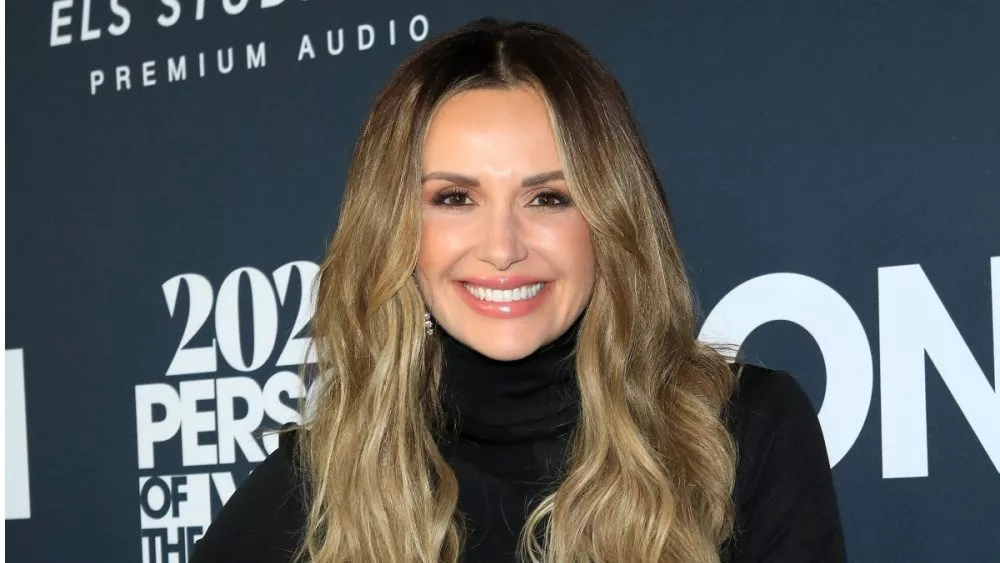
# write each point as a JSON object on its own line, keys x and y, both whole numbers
{"x": 913, "y": 322}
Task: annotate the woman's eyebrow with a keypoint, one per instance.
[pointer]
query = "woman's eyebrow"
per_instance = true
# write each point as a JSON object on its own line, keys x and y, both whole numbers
{"x": 538, "y": 179}
{"x": 530, "y": 181}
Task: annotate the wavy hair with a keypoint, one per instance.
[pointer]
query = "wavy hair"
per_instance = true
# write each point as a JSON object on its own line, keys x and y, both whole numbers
{"x": 651, "y": 465}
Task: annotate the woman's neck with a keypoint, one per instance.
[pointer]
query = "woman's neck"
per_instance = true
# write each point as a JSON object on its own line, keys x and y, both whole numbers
{"x": 510, "y": 401}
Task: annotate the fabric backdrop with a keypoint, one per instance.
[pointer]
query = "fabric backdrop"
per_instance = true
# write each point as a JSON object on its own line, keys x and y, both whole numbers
{"x": 176, "y": 167}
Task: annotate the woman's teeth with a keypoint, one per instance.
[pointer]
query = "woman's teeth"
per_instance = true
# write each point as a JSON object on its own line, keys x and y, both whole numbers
{"x": 504, "y": 295}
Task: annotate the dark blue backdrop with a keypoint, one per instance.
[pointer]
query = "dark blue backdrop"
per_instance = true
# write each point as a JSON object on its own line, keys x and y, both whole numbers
{"x": 834, "y": 169}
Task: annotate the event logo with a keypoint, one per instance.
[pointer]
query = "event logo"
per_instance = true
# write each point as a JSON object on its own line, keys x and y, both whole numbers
{"x": 77, "y": 22}
{"x": 913, "y": 325}
{"x": 230, "y": 377}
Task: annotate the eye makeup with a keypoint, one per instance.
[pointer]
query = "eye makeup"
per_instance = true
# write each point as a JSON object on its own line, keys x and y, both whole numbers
{"x": 453, "y": 193}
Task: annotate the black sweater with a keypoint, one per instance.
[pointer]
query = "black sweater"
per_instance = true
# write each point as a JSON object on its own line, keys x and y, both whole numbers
{"x": 512, "y": 421}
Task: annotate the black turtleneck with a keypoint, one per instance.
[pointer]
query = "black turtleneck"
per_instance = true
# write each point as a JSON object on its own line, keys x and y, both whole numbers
{"x": 510, "y": 401}
{"x": 510, "y": 431}
{"x": 512, "y": 422}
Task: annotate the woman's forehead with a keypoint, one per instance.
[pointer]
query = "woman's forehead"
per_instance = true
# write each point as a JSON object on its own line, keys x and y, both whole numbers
{"x": 499, "y": 131}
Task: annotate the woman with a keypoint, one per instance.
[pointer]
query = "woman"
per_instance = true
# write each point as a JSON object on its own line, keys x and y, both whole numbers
{"x": 507, "y": 357}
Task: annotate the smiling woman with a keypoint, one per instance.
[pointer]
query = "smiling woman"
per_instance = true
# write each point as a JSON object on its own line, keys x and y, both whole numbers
{"x": 507, "y": 361}
{"x": 505, "y": 263}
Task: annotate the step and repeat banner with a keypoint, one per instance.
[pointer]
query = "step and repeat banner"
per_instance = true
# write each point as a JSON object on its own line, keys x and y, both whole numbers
{"x": 175, "y": 168}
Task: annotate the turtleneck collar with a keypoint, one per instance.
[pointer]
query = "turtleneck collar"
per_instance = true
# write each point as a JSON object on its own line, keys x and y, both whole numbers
{"x": 511, "y": 401}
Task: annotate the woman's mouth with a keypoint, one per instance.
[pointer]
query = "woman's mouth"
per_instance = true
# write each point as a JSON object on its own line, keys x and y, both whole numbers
{"x": 504, "y": 303}
{"x": 522, "y": 293}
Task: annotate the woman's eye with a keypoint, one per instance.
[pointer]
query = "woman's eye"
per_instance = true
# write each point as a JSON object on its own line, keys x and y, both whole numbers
{"x": 462, "y": 199}
{"x": 457, "y": 199}
{"x": 550, "y": 199}
{"x": 452, "y": 199}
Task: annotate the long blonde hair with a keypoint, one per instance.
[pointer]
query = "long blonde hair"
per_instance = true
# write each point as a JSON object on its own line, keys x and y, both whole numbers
{"x": 651, "y": 466}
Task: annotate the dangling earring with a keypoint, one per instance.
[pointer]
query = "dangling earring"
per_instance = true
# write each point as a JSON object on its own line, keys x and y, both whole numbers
{"x": 428, "y": 323}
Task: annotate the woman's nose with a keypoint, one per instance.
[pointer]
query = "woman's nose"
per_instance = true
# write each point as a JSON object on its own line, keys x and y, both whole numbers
{"x": 501, "y": 239}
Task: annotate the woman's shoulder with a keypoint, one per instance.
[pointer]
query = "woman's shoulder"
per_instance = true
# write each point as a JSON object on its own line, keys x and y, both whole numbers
{"x": 765, "y": 396}
{"x": 771, "y": 417}
{"x": 263, "y": 520}
{"x": 786, "y": 504}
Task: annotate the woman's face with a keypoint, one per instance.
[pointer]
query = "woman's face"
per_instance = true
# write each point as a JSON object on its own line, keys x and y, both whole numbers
{"x": 506, "y": 264}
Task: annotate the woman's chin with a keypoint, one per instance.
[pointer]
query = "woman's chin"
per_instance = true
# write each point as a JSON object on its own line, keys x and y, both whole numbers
{"x": 507, "y": 344}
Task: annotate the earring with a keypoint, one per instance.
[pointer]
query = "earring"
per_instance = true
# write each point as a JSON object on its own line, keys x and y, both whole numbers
{"x": 428, "y": 324}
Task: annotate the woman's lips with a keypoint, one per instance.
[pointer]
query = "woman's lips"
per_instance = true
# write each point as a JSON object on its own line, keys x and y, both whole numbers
{"x": 503, "y": 309}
